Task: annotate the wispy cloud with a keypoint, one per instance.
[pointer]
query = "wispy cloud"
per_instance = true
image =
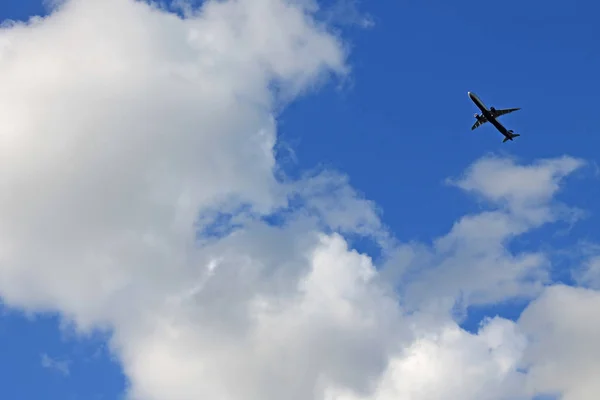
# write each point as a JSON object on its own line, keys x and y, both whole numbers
{"x": 62, "y": 366}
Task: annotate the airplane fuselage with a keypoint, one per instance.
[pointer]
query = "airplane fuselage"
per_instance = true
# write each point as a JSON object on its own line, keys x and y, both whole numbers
{"x": 488, "y": 116}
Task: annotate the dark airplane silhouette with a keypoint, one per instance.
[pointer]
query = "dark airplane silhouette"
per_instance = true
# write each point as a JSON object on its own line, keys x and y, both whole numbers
{"x": 490, "y": 116}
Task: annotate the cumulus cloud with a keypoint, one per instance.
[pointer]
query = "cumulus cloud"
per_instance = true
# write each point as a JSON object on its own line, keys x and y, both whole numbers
{"x": 137, "y": 177}
{"x": 502, "y": 179}
{"x": 472, "y": 262}
{"x": 120, "y": 122}
{"x": 449, "y": 362}
{"x": 562, "y": 358}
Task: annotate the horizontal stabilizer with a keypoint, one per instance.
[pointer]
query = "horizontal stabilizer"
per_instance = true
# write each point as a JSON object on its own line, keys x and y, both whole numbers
{"x": 512, "y": 136}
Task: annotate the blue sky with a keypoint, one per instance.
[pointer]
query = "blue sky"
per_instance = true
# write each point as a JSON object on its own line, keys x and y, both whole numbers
{"x": 404, "y": 125}
{"x": 398, "y": 129}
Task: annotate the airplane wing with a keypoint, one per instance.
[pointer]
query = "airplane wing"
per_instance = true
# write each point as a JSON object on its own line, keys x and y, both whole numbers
{"x": 498, "y": 113}
{"x": 478, "y": 123}
{"x": 495, "y": 113}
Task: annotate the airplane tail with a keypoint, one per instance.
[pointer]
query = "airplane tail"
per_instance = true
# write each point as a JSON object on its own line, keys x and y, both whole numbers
{"x": 511, "y": 137}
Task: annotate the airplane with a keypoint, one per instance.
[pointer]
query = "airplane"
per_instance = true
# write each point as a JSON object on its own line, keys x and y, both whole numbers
{"x": 490, "y": 116}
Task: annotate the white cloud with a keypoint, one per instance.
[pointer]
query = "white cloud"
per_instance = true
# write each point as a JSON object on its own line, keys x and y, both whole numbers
{"x": 563, "y": 325}
{"x": 450, "y": 363}
{"x": 589, "y": 275}
{"x": 335, "y": 327}
{"x": 499, "y": 179}
{"x": 120, "y": 124}
{"x": 472, "y": 262}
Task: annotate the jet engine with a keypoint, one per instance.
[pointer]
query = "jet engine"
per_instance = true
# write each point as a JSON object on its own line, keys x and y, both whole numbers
{"x": 492, "y": 109}
{"x": 476, "y": 116}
